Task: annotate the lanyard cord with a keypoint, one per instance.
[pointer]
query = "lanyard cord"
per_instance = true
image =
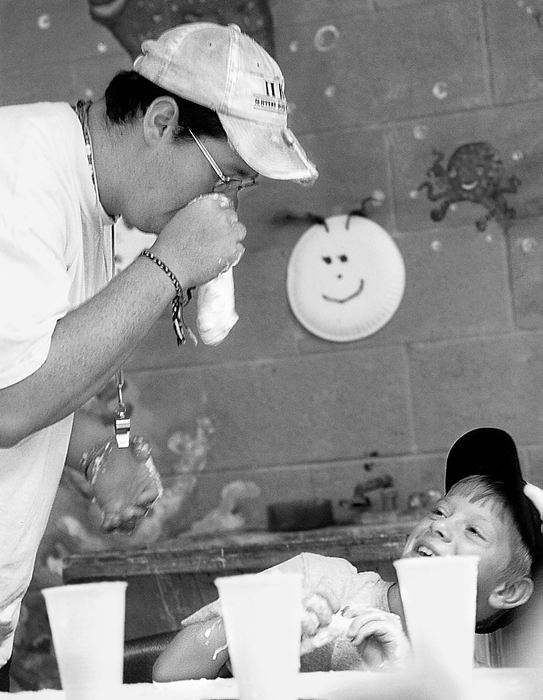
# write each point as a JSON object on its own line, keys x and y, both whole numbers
{"x": 121, "y": 420}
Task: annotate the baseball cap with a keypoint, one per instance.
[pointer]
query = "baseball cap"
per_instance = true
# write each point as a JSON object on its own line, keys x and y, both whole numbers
{"x": 225, "y": 70}
{"x": 492, "y": 452}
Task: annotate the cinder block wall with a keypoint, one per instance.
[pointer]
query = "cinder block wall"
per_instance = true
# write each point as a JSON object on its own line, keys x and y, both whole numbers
{"x": 305, "y": 417}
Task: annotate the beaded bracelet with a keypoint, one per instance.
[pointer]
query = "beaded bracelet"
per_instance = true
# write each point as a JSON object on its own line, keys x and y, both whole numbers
{"x": 179, "y": 301}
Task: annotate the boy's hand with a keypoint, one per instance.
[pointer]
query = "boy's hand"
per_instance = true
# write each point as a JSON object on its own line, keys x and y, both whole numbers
{"x": 535, "y": 494}
{"x": 379, "y": 637}
{"x": 319, "y": 608}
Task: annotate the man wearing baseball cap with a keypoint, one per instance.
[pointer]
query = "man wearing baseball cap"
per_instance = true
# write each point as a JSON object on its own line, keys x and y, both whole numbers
{"x": 168, "y": 148}
{"x": 224, "y": 70}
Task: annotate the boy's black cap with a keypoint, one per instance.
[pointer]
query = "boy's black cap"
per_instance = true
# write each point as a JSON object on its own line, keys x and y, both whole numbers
{"x": 492, "y": 452}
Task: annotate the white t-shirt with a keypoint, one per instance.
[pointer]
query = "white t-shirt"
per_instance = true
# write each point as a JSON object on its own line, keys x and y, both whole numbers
{"x": 54, "y": 254}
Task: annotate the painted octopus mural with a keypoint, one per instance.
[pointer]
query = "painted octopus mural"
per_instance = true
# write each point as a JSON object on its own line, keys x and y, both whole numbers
{"x": 133, "y": 21}
{"x": 474, "y": 173}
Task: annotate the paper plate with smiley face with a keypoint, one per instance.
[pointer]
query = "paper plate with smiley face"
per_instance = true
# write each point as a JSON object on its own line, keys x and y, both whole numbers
{"x": 345, "y": 282}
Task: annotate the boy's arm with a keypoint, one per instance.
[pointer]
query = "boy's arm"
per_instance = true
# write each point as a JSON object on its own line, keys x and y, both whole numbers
{"x": 197, "y": 651}
{"x": 190, "y": 654}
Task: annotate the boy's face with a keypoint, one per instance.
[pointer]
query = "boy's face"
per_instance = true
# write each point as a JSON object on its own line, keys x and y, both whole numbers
{"x": 456, "y": 526}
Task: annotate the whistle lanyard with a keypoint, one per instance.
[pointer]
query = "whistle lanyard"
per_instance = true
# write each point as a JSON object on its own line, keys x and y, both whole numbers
{"x": 121, "y": 420}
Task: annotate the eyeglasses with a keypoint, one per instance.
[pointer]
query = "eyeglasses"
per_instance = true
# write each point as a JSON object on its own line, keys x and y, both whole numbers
{"x": 225, "y": 185}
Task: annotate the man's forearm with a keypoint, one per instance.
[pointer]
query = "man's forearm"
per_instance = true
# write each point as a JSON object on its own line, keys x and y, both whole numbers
{"x": 88, "y": 346}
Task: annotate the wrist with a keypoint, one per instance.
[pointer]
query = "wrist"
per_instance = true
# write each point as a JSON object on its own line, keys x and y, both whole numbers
{"x": 181, "y": 298}
{"x": 94, "y": 460}
{"x": 162, "y": 286}
{"x": 164, "y": 254}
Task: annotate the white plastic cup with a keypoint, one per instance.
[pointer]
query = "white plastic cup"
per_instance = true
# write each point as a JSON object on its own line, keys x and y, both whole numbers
{"x": 439, "y": 596}
{"x": 87, "y": 625}
{"x": 262, "y": 616}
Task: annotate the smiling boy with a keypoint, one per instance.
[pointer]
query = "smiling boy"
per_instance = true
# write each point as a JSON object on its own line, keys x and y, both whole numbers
{"x": 474, "y": 518}
{"x": 484, "y": 513}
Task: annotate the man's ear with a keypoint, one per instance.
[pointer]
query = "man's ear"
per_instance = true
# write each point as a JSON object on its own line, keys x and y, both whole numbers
{"x": 160, "y": 119}
{"x": 511, "y": 594}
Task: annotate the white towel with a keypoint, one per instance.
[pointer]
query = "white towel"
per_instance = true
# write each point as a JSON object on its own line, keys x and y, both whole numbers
{"x": 216, "y": 309}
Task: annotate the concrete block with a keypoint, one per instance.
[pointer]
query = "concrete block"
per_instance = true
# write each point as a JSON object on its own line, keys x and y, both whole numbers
{"x": 47, "y": 82}
{"x": 279, "y": 484}
{"x": 515, "y": 51}
{"x": 352, "y": 166}
{"x": 456, "y": 285}
{"x": 287, "y": 13}
{"x": 514, "y": 132}
{"x": 374, "y": 67}
{"x": 50, "y": 32}
{"x": 39, "y": 29}
{"x": 284, "y": 411}
{"x": 389, "y": 4}
{"x": 65, "y": 81}
{"x": 411, "y": 473}
{"x": 92, "y": 76}
{"x": 526, "y": 256}
{"x": 334, "y": 480}
{"x": 492, "y": 381}
{"x": 532, "y": 463}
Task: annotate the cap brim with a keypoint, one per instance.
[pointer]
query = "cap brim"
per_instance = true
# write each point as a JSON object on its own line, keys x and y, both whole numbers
{"x": 272, "y": 151}
{"x": 492, "y": 452}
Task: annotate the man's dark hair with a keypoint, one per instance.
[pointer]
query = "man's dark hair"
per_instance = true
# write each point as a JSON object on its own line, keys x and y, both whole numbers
{"x": 129, "y": 95}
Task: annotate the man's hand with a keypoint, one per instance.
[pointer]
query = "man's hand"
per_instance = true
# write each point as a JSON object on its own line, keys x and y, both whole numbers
{"x": 202, "y": 240}
{"x": 125, "y": 489}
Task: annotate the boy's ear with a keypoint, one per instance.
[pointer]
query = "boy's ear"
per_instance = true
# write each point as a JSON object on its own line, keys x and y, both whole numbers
{"x": 511, "y": 594}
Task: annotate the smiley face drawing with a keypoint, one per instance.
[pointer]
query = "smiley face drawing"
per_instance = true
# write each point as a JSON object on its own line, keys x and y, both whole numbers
{"x": 344, "y": 284}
